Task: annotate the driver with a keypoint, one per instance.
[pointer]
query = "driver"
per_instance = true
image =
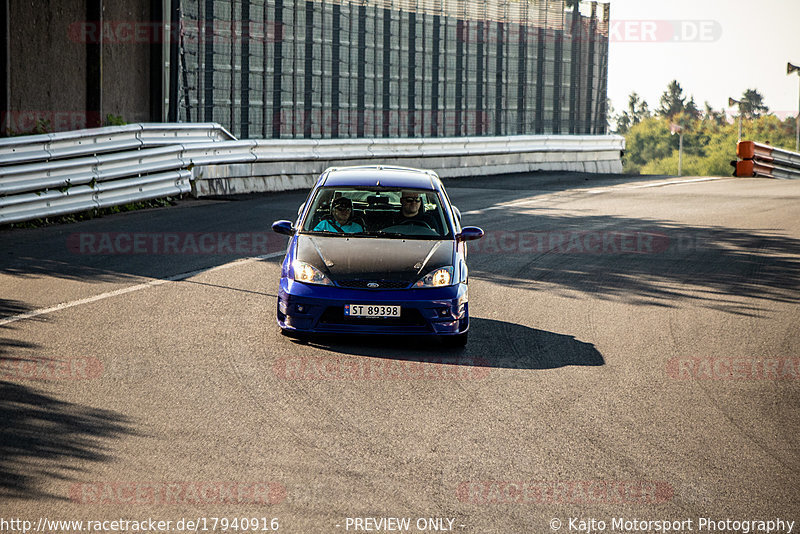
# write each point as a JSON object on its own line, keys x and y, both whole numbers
{"x": 341, "y": 218}
{"x": 412, "y": 209}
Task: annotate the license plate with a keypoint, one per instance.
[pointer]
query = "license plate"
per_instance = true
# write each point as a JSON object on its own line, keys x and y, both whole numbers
{"x": 367, "y": 310}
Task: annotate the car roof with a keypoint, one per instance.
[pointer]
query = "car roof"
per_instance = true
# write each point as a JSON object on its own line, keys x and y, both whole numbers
{"x": 384, "y": 175}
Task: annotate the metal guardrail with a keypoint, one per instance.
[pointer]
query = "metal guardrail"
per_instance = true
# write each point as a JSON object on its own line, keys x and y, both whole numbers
{"x": 60, "y": 174}
{"x": 50, "y": 203}
{"x": 45, "y": 147}
{"x": 342, "y": 149}
{"x": 56, "y": 174}
{"x": 765, "y": 161}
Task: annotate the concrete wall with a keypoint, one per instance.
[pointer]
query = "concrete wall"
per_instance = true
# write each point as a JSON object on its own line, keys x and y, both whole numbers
{"x": 277, "y": 167}
{"x": 47, "y": 67}
{"x": 126, "y": 65}
{"x": 47, "y": 70}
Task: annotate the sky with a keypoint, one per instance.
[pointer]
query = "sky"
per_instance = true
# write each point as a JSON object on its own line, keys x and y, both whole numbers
{"x": 715, "y": 49}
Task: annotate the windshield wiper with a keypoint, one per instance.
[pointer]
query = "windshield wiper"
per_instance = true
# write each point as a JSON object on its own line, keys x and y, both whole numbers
{"x": 327, "y": 233}
{"x": 373, "y": 233}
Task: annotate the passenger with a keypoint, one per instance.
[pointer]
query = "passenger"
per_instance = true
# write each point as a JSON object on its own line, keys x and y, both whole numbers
{"x": 340, "y": 220}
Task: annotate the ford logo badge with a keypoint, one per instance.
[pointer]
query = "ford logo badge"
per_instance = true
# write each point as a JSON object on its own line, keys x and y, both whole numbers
{"x": 373, "y": 285}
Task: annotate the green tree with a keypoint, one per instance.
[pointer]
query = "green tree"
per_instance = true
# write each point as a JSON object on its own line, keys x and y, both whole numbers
{"x": 637, "y": 111}
{"x": 649, "y": 140}
{"x": 752, "y": 105}
{"x": 672, "y": 100}
{"x": 691, "y": 109}
{"x": 718, "y": 118}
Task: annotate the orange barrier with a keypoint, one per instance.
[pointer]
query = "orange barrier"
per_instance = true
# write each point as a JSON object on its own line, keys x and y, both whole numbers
{"x": 757, "y": 159}
{"x": 743, "y": 167}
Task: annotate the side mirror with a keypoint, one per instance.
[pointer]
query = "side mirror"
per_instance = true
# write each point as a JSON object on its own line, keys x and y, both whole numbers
{"x": 283, "y": 227}
{"x": 470, "y": 233}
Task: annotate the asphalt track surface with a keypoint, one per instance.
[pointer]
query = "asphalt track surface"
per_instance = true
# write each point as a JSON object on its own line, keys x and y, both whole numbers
{"x": 633, "y": 354}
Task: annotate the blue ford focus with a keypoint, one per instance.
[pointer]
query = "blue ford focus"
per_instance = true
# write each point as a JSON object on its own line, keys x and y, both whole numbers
{"x": 376, "y": 250}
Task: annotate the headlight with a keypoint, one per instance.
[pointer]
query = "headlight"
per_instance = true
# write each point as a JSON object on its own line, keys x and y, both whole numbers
{"x": 438, "y": 278}
{"x": 305, "y": 272}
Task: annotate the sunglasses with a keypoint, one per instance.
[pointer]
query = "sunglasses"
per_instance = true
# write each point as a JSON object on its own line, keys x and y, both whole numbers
{"x": 342, "y": 208}
{"x": 409, "y": 200}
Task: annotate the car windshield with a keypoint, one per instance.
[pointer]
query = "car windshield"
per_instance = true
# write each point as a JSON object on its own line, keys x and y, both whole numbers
{"x": 377, "y": 212}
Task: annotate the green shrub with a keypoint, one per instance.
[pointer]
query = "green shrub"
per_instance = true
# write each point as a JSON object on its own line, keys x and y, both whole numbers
{"x": 114, "y": 120}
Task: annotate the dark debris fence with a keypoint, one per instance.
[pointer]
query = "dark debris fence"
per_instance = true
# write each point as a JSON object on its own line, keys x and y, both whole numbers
{"x": 394, "y": 68}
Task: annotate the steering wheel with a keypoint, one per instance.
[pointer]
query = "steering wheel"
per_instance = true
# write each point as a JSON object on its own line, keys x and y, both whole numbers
{"x": 418, "y": 222}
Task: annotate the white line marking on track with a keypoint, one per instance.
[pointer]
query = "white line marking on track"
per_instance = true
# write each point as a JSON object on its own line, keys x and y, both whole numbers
{"x": 671, "y": 182}
{"x": 657, "y": 184}
{"x": 130, "y": 289}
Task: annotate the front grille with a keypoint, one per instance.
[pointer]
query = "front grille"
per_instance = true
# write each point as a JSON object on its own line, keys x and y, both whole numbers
{"x": 408, "y": 317}
{"x": 382, "y": 284}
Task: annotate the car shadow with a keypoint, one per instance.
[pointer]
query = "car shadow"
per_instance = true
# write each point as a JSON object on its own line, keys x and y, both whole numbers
{"x": 492, "y": 343}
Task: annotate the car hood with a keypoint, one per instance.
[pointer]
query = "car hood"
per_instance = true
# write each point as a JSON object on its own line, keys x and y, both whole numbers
{"x": 352, "y": 258}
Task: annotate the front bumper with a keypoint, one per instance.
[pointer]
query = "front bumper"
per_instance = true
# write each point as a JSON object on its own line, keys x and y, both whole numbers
{"x": 306, "y": 308}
